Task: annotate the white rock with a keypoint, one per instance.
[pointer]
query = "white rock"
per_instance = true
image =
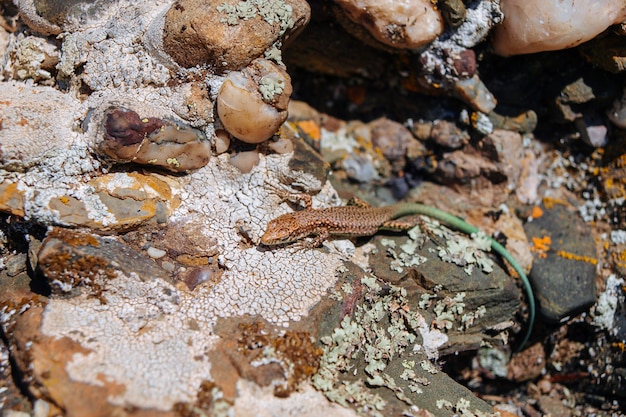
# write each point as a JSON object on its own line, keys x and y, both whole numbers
{"x": 548, "y": 25}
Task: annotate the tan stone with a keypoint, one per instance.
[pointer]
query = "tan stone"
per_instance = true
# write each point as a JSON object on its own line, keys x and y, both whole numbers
{"x": 11, "y": 199}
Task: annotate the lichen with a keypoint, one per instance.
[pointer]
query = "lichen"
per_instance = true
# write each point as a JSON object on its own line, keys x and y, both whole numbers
{"x": 271, "y": 11}
{"x": 381, "y": 329}
{"x": 271, "y": 87}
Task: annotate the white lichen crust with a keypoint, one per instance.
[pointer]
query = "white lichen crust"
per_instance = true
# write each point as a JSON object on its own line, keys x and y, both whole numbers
{"x": 154, "y": 339}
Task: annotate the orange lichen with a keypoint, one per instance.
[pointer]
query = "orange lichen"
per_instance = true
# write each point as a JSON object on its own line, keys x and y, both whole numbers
{"x": 11, "y": 199}
{"x": 621, "y": 346}
{"x": 620, "y": 258}
{"x": 309, "y": 128}
{"x": 300, "y": 357}
{"x": 537, "y": 212}
{"x": 541, "y": 245}
{"x": 574, "y": 257}
{"x": 74, "y": 238}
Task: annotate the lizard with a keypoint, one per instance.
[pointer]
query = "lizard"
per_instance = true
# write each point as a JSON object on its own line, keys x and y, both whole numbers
{"x": 362, "y": 220}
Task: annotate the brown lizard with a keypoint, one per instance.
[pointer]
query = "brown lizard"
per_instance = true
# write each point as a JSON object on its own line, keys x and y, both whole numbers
{"x": 354, "y": 221}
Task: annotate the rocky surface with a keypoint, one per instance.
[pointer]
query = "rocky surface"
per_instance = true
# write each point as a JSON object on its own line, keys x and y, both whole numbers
{"x": 131, "y": 207}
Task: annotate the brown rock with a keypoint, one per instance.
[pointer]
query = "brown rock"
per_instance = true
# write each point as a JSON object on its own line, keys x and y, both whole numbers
{"x": 11, "y": 199}
{"x": 527, "y": 364}
{"x": 153, "y": 141}
{"x": 71, "y": 259}
{"x": 43, "y": 360}
{"x": 229, "y": 34}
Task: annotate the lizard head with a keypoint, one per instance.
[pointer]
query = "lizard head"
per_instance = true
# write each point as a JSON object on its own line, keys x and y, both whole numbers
{"x": 283, "y": 229}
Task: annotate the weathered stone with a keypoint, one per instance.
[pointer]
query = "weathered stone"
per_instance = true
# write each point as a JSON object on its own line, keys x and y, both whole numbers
{"x": 495, "y": 160}
{"x": 607, "y": 52}
{"x": 328, "y": 49}
{"x": 228, "y": 35}
{"x": 28, "y": 133}
{"x": 430, "y": 282}
{"x": 368, "y": 360}
{"x": 474, "y": 92}
{"x": 73, "y": 260}
{"x": 44, "y": 360}
{"x": 11, "y": 199}
{"x": 153, "y": 141}
{"x": 392, "y": 139}
{"x": 407, "y": 25}
{"x": 564, "y": 269}
{"x": 448, "y": 134}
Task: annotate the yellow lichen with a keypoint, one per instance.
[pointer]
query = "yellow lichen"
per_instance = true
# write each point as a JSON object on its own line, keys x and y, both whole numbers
{"x": 573, "y": 256}
{"x": 550, "y": 202}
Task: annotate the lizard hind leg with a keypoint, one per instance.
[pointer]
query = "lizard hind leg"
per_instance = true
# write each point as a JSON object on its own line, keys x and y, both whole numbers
{"x": 357, "y": 202}
{"x": 288, "y": 195}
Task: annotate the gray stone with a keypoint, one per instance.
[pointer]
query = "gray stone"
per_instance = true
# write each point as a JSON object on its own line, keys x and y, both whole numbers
{"x": 563, "y": 277}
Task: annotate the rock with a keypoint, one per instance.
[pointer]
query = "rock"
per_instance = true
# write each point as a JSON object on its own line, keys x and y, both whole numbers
{"x": 496, "y": 159}
{"x": 460, "y": 298}
{"x": 26, "y": 113}
{"x": 534, "y": 26}
{"x": 35, "y": 59}
{"x": 448, "y": 134}
{"x": 152, "y": 141}
{"x": 252, "y": 103}
{"x": 52, "y": 17}
{"x": 368, "y": 360}
{"x": 553, "y": 407}
{"x": 392, "y": 139}
{"x": 523, "y": 123}
{"x": 228, "y": 35}
{"x": 474, "y": 92}
{"x": 118, "y": 201}
{"x": 79, "y": 261}
{"x": 407, "y": 25}
{"x": 328, "y": 49}
{"x": 528, "y": 364}
{"x": 564, "y": 267}
{"x": 617, "y": 113}
{"x": 11, "y": 199}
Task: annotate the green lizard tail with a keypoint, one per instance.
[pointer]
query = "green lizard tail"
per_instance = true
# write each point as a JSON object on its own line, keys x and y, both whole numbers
{"x": 407, "y": 209}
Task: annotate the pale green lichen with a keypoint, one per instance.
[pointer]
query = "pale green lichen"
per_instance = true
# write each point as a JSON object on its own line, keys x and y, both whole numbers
{"x": 269, "y": 87}
{"x": 382, "y": 329}
{"x": 468, "y": 252}
{"x": 406, "y": 257}
{"x": 271, "y": 11}
{"x": 462, "y": 408}
{"x": 451, "y": 310}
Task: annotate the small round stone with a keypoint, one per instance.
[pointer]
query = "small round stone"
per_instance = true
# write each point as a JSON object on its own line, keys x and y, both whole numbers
{"x": 156, "y": 253}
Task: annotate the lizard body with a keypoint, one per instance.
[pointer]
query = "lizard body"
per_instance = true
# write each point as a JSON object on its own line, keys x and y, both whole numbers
{"x": 353, "y": 221}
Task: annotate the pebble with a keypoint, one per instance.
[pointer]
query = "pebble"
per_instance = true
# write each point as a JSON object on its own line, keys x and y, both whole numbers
{"x": 409, "y": 24}
{"x": 16, "y": 264}
{"x": 153, "y": 141}
{"x": 155, "y": 252}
